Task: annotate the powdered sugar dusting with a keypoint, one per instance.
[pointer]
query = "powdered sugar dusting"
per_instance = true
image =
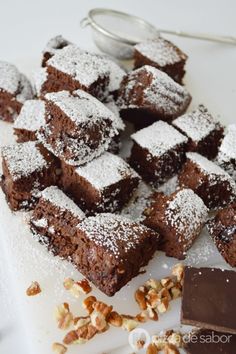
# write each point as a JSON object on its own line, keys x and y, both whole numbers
{"x": 81, "y": 107}
{"x": 32, "y": 115}
{"x": 106, "y": 170}
{"x": 15, "y": 83}
{"x": 39, "y": 78}
{"x": 227, "y": 149}
{"x": 187, "y": 213}
{"x": 56, "y": 197}
{"x": 161, "y": 52}
{"x": 56, "y": 43}
{"x": 118, "y": 122}
{"x": 116, "y": 75}
{"x": 162, "y": 93}
{"x": 227, "y": 152}
{"x": 208, "y": 166}
{"x": 23, "y": 159}
{"x": 113, "y": 232}
{"x": 82, "y": 66}
{"x": 138, "y": 203}
{"x": 158, "y": 138}
{"x": 9, "y": 77}
{"x": 197, "y": 124}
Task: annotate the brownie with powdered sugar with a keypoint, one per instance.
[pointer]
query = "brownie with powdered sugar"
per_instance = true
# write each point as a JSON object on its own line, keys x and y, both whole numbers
{"x": 71, "y": 68}
{"x": 54, "y": 221}
{"x": 53, "y": 46}
{"x": 205, "y": 133}
{"x": 222, "y": 228}
{"x": 78, "y": 127}
{"x": 178, "y": 218}
{"x": 29, "y": 121}
{"x": 111, "y": 249}
{"x": 15, "y": 89}
{"x": 158, "y": 152}
{"x": 226, "y": 157}
{"x": 103, "y": 184}
{"x": 148, "y": 94}
{"x": 115, "y": 143}
{"x": 27, "y": 169}
{"x": 163, "y": 55}
{"x": 215, "y": 186}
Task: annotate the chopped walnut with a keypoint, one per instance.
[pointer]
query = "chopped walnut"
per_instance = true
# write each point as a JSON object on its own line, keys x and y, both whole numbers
{"x": 178, "y": 271}
{"x": 79, "y": 287}
{"x": 88, "y": 303}
{"x": 140, "y": 295}
{"x": 81, "y": 321}
{"x": 152, "y": 349}
{"x": 115, "y": 319}
{"x": 171, "y": 349}
{"x": 129, "y": 322}
{"x": 63, "y": 316}
{"x": 33, "y": 289}
{"x": 59, "y": 348}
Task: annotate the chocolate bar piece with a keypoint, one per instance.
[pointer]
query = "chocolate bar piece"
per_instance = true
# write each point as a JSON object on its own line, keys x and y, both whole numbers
{"x": 209, "y": 299}
{"x": 205, "y": 341}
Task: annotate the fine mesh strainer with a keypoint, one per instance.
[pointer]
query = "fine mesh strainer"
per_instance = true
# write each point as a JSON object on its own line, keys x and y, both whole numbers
{"x": 115, "y": 32}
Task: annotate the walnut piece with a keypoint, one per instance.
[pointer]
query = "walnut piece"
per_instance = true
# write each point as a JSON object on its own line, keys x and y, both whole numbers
{"x": 63, "y": 316}
{"x": 59, "y": 348}
{"x": 33, "y": 289}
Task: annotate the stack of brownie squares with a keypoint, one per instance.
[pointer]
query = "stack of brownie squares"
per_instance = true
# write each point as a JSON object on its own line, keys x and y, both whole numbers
{"x": 66, "y": 164}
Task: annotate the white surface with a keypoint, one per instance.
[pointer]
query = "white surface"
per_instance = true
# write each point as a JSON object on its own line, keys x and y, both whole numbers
{"x": 25, "y": 27}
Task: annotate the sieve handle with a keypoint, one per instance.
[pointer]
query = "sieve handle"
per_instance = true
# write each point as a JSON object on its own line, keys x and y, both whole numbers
{"x": 202, "y": 36}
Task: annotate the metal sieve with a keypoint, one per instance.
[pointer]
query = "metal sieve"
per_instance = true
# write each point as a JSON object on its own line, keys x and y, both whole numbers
{"x": 116, "y": 33}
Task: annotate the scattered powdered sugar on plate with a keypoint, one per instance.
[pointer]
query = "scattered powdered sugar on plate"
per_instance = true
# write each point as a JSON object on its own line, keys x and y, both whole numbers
{"x": 23, "y": 159}
{"x": 32, "y": 115}
{"x": 161, "y": 52}
{"x": 114, "y": 232}
{"x": 82, "y": 66}
{"x": 169, "y": 186}
{"x": 56, "y": 197}
{"x": 138, "y": 203}
{"x": 197, "y": 124}
{"x": 186, "y": 212}
{"x": 158, "y": 138}
{"x": 106, "y": 170}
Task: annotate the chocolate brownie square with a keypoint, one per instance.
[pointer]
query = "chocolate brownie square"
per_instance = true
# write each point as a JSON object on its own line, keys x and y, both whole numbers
{"x": 27, "y": 169}
{"x": 204, "y": 132}
{"x": 54, "y": 221}
{"x": 178, "y": 218}
{"x": 158, "y": 152}
{"x": 209, "y": 300}
{"x": 104, "y": 184}
{"x": 222, "y": 229}
{"x": 215, "y": 186}
{"x": 78, "y": 127}
{"x": 54, "y": 44}
{"x": 30, "y": 119}
{"x": 71, "y": 68}
{"x": 15, "y": 89}
{"x": 148, "y": 94}
{"x": 111, "y": 249}
{"x": 163, "y": 55}
{"x": 226, "y": 157}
